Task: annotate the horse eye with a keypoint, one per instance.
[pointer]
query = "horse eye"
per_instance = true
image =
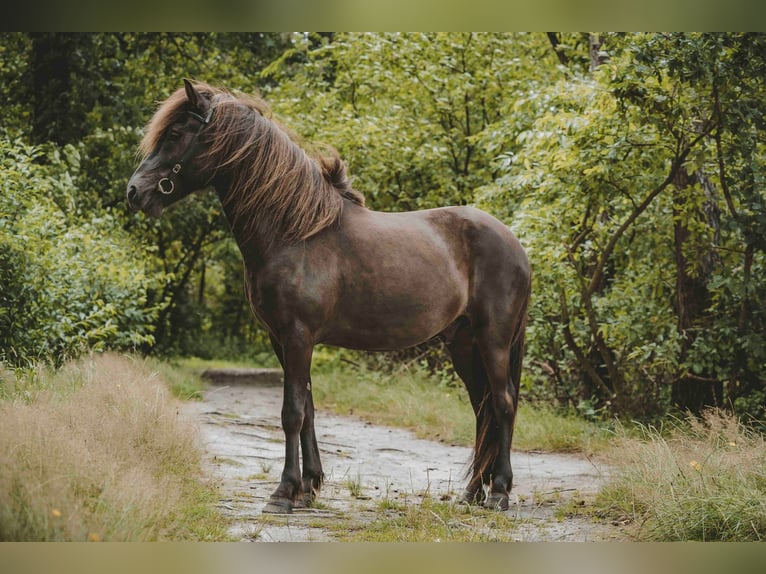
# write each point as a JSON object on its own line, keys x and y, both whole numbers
{"x": 174, "y": 133}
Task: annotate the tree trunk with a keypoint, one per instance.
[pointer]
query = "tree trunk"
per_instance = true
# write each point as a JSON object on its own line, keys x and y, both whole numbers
{"x": 597, "y": 56}
{"x": 553, "y": 37}
{"x": 58, "y": 108}
{"x": 693, "y": 392}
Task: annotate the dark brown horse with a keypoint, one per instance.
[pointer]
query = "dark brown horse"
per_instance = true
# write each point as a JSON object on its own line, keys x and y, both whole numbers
{"x": 322, "y": 268}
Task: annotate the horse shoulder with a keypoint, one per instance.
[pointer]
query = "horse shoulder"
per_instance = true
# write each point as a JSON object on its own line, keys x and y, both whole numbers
{"x": 297, "y": 282}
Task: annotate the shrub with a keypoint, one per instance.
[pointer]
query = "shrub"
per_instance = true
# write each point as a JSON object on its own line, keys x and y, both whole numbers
{"x": 70, "y": 281}
{"x": 97, "y": 451}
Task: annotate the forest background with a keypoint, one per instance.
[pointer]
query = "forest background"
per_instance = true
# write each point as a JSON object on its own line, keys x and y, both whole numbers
{"x": 631, "y": 166}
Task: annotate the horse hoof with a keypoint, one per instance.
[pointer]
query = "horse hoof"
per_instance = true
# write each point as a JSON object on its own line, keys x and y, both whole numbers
{"x": 497, "y": 501}
{"x": 278, "y": 505}
{"x": 472, "y": 498}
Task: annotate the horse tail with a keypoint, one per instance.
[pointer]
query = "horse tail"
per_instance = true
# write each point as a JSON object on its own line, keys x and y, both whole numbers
{"x": 517, "y": 352}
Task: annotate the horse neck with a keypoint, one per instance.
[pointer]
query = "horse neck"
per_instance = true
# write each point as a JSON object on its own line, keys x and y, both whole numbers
{"x": 254, "y": 247}
{"x": 262, "y": 213}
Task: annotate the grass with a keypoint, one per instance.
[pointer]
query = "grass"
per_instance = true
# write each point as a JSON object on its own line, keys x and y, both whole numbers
{"x": 97, "y": 451}
{"x": 181, "y": 377}
{"x": 430, "y": 521}
{"x": 700, "y": 479}
{"x": 354, "y": 486}
{"x": 440, "y": 410}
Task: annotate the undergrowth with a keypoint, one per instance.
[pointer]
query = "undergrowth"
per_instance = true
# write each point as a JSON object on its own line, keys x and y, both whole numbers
{"x": 97, "y": 451}
{"x": 696, "y": 479}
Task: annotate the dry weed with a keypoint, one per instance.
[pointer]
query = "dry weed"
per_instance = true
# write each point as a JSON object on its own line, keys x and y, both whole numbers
{"x": 98, "y": 453}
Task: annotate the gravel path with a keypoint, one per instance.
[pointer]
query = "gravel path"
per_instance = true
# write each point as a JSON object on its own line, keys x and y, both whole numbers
{"x": 365, "y": 464}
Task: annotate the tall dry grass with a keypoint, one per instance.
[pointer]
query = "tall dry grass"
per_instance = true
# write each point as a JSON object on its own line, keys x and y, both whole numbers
{"x": 700, "y": 479}
{"x": 98, "y": 451}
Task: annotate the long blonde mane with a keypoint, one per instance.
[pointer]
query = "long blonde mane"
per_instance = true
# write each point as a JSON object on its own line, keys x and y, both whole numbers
{"x": 276, "y": 186}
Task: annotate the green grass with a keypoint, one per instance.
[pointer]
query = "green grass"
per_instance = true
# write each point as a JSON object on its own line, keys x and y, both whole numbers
{"x": 439, "y": 409}
{"x": 97, "y": 451}
{"x": 181, "y": 376}
{"x": 695, "y": 480}
{"x": 430, "y": 521}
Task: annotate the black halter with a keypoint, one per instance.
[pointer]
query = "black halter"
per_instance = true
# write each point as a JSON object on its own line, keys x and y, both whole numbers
{"x": 167, "y": 184}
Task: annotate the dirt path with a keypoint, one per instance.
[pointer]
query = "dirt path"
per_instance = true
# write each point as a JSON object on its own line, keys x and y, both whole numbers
{"x": 365, "y": 464}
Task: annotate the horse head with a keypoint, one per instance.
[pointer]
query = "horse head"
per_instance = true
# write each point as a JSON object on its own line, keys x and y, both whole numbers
{"x": 168, "y": 171}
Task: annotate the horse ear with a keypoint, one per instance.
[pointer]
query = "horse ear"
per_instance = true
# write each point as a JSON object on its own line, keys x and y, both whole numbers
{"x": 192, "y": 94}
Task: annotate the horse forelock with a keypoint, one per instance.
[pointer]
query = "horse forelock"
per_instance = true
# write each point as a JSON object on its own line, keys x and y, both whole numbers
{"x": 168, "y": 112}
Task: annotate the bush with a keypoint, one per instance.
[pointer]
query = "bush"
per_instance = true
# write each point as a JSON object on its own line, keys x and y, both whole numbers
{"x": 97, "y": 451}
{"x": 70, "y": 281}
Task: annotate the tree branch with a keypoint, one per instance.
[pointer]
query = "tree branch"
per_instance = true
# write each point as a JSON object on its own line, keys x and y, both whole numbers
{"x": 615, "y": 376}
{"x": 556, "y": 43}
{"x": 579, "y": 355}
{"x": 719, "y": 153}
{"x": 638, "y": 210}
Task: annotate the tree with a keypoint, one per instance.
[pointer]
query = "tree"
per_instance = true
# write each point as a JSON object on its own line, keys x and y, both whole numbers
{"x": 90, "y": 94}
{"x": 628, "y": 207}
{"x": 408, "y": 112}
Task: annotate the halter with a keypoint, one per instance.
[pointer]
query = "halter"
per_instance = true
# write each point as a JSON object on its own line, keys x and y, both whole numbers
{"x": 166, "y": 185}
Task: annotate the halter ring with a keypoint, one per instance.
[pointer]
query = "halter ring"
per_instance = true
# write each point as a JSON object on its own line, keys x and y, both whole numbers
{"x": 162, "y": 186}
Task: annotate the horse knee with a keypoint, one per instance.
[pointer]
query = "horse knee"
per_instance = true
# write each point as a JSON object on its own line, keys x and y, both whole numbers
{"x": 292, "y": 418}
{"x": 503, "y": 403}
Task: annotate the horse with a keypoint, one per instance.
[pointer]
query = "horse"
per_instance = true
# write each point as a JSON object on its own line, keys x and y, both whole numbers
{"x": 320, "y": 267}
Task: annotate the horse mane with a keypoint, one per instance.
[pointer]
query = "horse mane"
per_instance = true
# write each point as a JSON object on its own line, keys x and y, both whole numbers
{"x": 278, "y": 187}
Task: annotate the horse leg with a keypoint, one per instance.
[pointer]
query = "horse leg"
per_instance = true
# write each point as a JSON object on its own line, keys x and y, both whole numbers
{"x": 502, "y": 349}
{"x": 469, "y": 367}
{"x": 498, "y": 433}
{"x": 296, "y": 358}
{"x": 313, "y": 476}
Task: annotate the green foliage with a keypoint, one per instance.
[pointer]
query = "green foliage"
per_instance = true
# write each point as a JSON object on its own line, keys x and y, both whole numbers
{"x": 68, "y": 283}
{"x": 406, "y": 111}
{"x": 578, "y": 191}
{"x": 634, "y": 177}
{"x": 612, "y": 227}
{"x": 90, "y": 94}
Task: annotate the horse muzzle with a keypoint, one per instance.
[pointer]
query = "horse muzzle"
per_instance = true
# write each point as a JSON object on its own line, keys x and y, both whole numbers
{"x": 132, "y": 196}
{"x": 148, "y": 203}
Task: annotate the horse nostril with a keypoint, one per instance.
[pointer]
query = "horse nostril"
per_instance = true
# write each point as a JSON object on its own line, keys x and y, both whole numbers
{"x": 132, "y": 193}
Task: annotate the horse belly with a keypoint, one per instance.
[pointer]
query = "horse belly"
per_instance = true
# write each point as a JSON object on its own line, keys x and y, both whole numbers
{"x": 385, "y": 337}
{"x": 396, "y": 315}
